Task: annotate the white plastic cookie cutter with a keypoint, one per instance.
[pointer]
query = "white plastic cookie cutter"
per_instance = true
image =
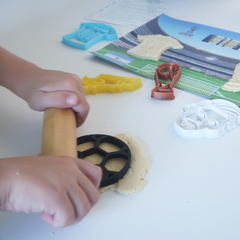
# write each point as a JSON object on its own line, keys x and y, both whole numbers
{"x": 208, "y": 118}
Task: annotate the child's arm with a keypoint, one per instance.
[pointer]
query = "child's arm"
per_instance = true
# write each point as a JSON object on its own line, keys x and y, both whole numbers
{"x": 41, "y": 88}
{"x": 62, "y": 189}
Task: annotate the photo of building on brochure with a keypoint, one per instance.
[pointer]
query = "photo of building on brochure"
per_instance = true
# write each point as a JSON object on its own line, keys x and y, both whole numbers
{"x": 207, "y": 60}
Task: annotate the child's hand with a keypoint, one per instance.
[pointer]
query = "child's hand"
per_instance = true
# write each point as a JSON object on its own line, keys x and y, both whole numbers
{"x": 48, "y": 88}
{"x": 43, "y": 88}
{"x": 63, "y": 189}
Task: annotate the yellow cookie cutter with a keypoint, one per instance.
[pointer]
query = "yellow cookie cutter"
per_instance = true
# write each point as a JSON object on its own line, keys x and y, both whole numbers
{"x": 110, "y": 83}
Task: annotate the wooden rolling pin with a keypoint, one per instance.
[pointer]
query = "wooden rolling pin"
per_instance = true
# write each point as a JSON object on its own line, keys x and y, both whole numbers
{"x": 59, "y": 132}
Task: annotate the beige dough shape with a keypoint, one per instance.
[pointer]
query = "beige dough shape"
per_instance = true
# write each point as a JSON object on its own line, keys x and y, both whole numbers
{"x": 133, "y": 180}
{"x": 152, "y": 46}
{"x": 233, "y": 85}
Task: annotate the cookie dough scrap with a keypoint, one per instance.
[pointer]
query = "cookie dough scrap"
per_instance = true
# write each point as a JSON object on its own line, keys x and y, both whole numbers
{"x": 233, "y": 85}
{"x": 152, "y": 46}
{"x": 133, "y": 180}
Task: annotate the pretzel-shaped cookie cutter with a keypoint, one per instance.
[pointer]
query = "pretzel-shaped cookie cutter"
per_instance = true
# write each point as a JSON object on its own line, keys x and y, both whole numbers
{"x": 166, "y": 92}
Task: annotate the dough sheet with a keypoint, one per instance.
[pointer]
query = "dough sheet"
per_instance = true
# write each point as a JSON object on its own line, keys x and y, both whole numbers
{"x": 133, "y": 180}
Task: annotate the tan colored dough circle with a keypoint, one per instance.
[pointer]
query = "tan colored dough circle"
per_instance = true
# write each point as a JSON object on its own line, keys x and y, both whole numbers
{"x": 133, "y": 180}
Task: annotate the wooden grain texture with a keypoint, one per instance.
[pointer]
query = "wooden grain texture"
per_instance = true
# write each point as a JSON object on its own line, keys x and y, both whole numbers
{"x": 59, "y": 133}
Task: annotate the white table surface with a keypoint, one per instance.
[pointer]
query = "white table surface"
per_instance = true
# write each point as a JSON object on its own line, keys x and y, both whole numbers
{"x": 192, "y": 186}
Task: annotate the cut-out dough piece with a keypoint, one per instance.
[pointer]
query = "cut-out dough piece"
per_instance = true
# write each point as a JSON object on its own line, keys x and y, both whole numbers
{"x": 133, "y": 180}
{"x": 152, "y": 46}
{"x": 233, "y": 85}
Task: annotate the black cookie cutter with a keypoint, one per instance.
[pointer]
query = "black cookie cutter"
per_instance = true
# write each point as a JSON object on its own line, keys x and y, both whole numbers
{"x": 109, "y": 177}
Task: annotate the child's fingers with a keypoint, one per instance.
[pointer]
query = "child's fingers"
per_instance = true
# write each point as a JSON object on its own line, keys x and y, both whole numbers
{"x": 89, "y": 189}
{"x": 61, "y": 212}
{"x": 59, "y": 99}
{"x": 70, "y": 208}
{"x": 82, "y": 200}
{"x": 80, "y": 205}
{"x": 91, "y": 171}
{"x": 81, "y": 112}
{"x": 73, "y": 207}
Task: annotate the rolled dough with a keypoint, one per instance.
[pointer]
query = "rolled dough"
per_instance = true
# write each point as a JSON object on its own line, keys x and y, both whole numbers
{"x": 152, "y": 46}
{"x": 133, "y": 180}
{"x": 233, "y": 85}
